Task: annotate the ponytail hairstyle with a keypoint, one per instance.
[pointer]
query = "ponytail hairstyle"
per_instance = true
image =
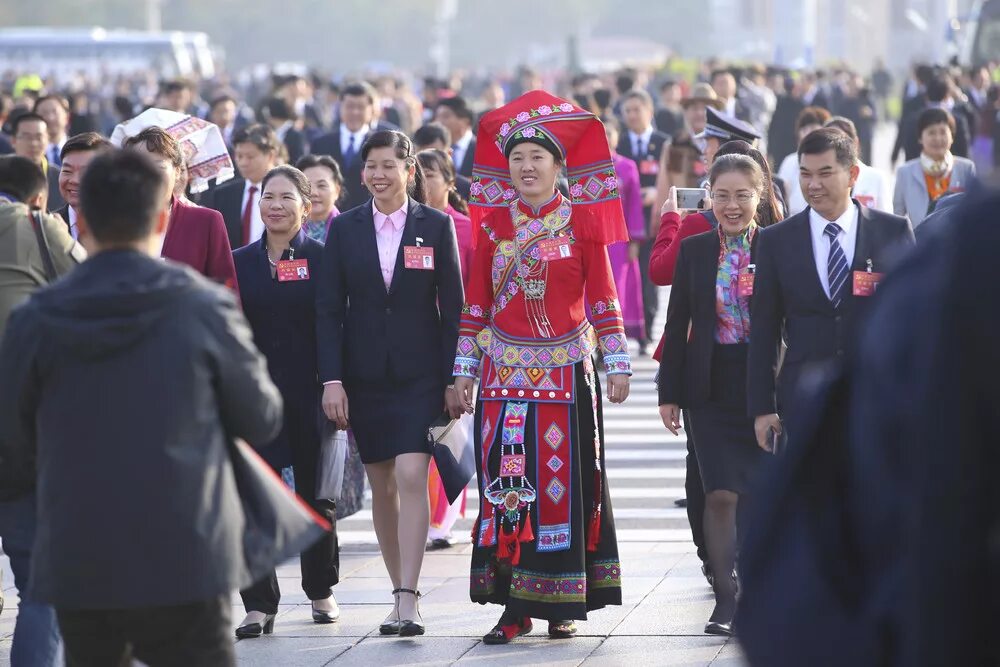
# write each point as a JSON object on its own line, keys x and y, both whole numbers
{"x": 769, "y": 210}
{"x": 403, "y": 147}
{"x": 436, "y": 159}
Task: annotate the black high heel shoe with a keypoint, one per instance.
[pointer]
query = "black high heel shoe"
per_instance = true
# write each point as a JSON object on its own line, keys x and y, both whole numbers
{"x": 392, "y": 627}
{"x": 255, "y": 630}
{"x": 408, "y": 627}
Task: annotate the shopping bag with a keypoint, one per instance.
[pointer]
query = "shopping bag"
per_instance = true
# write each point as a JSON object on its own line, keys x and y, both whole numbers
{"x": 332, "y": 460}
{"x": 454, "y": 452}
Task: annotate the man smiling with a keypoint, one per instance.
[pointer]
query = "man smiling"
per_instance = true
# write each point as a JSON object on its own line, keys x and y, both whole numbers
{"x": 807, "y": 277}
{"x": 76, "y": 154}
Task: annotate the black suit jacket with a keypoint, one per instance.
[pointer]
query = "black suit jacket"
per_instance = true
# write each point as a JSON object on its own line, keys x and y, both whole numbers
{"x": 227, "y": 199}
{"x": 689, "y": 335}
{"x": 56, "y": 200}
{"x": 156, "y": 364}
{"x": 63, "y": 212}
{"x": 910, "y": 139}
{"x": 329, "y": 144}
{"x": 295, "y": 144}
{"x": 282, "y": 316}
{"x": 373, "y": 336}
{"x": 789, "y": 297}
{"x": 651, "y": 156}
{"x": 465, "y": 169}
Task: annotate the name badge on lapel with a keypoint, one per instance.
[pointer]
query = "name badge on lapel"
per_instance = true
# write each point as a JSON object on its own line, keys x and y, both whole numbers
{"x": 418, "y": 257}
{"x": 649, "y": 167}
{"x": 866, "y": 282}
{"x": 744, "y": 285}
{"x": 291, "y": 270}
{"x": 554, "y": 249}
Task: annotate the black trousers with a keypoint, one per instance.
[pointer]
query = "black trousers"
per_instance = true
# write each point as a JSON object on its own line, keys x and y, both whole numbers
{"x": 695, "y": 493}
{"x": 320, "y": 563}
{"x": 650, "y": 292}
{"x": 190, "y": 635}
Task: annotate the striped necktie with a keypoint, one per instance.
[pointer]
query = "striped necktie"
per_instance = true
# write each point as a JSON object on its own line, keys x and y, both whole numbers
{"x": 836, "y": 265}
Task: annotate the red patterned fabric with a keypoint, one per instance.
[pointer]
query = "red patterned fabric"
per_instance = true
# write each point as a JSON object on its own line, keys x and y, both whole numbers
{"x": 579, "y": 135}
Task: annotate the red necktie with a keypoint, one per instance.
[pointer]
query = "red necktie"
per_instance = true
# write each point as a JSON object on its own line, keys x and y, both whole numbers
{"x": 247, "y": 211}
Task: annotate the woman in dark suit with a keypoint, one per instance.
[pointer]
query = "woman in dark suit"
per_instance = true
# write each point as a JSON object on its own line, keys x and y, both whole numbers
{"x": 388, "y": 306}
{"x": 704, "y": 363}
{"x": 279, "y": 275}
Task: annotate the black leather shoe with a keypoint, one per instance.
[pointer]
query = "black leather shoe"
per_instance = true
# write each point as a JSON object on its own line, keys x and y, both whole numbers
{"x": 721, "y": 629}
{"x": 681, "y": 502}
{"x": 504, "y": 633}
{"x": 254, "y": 630}
{"x": 409, "y": 627}
{"x": 439, "y": 543}
{"x": 562, "y": 629}
{"x": 709, "y": 577}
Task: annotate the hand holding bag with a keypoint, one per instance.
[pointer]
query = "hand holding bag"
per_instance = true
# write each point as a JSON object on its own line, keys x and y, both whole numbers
{"x": 454, "y": 452}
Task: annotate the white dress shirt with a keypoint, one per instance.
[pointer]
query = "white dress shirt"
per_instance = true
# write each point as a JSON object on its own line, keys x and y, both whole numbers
{"x": 872, "y": 188}
{"x": 847, "y": 238}
{"x": 460, "y": 148}
{"x": 256, "y": 221}
{"x": 639, "y": 151}
{"x": 359, "y": 138}
{"x": 789, "y": 173}
{"x": 74, "y": 231}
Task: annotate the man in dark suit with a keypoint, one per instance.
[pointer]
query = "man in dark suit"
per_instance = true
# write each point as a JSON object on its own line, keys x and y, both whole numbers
{"x": 31, "y": 139}
{"x": 76, "y": 154}
{"x": 436, "y": 135}
{"x": 670, "y": 115}
{"x": 257, "y": 149}
{"x": 357, "y": 121}
{"x": 644, "y": 145}
{"x": 282, "y": 120}
{"x": 454, "y": 114}
{"x": 811, "y": 276}
{"x": 156, "y": 365}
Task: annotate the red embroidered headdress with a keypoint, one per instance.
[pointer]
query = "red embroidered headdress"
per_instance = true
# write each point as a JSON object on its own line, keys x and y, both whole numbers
{"x": 578, "y": 135}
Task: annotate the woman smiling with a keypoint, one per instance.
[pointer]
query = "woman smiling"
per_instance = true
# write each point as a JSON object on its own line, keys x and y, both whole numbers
{"x": 704, "y": 362}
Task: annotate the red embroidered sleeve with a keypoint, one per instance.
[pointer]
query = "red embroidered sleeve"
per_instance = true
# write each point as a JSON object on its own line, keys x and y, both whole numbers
{"x": 476, "y": 311}
{"x": 605, "y": 311}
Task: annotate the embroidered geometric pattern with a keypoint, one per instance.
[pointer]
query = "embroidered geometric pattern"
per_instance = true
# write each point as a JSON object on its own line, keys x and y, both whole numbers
{"x": 514, "y": 420}
{"x": 483, "y": 580}
{"x": 555, "y": 437}
{"x": 605, "y": 574}
{"x": 487, "y": 429}
{"x": 540, "y": 587}
{"x": 553, "y": 538}
{"x": 526, "y": 353}
{"x": 555, "y": 491}
{"x": 491, "y": 187}
{"x": 512, "y": 465}
{"x": 602, "y": 307}
{"x": 555, "y": 463}
{"x": 614, "y": 348}
{"x": 593, "y": 183}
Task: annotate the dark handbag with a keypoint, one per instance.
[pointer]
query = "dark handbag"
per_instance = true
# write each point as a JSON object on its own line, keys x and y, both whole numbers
{"x": 278, "y": 524}
{"x": 43, "y": 247}
{"x": 454, "y": 452}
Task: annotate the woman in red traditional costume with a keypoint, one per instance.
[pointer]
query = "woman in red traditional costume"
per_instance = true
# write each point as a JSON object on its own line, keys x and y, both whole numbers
{"x": 544, "y": 542}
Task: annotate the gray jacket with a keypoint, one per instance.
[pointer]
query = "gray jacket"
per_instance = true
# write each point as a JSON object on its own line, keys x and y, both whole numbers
{"x": 910, "y": 197}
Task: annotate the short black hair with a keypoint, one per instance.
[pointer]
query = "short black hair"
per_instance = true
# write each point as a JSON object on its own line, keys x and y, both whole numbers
{"x": 175, "y": 86}
{"x": 21, "y": 178}
{"x": 459, "y": 107}
{"x": 310, "y": 161}
{"x": 935, "y": 116}
{"x": 260, "y": 135}
{"x": 431, "y": 133}
{"x": 277, "y": 108}
{"x": 83, "y": 143}
{"x": 360, "y": 89}
{"x": 219, "y": 99}
{"x": 938, "y": 88}
{"x": 26, "y": 117}
{"x": 668, "y": 83}
{"x": 830, "y": 139}
{"x": 121, "y": 195}
{"x": 846, "y": 125}
{"x": 58, "y": 99}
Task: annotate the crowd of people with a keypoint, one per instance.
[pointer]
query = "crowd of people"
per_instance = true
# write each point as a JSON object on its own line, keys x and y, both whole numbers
{"x": 352, "y": 256}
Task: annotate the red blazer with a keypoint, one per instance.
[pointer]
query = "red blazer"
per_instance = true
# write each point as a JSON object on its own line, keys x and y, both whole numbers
{"x": 197, "y": 236}
{"x": 663, "y": 256}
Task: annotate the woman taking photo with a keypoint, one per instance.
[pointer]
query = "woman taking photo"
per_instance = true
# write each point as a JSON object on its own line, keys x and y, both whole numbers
{"x": 703, "y": 368}
{"x": 921, "y": 182}
{"x": 327, "y": 184}
{"x": 278, "y": 274}
{"x": 388, "y": 306}
{"x": 544, "y": 542}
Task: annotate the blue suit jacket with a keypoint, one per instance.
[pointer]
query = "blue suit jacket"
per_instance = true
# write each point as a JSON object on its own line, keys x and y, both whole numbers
{"x": 368, "y": 334}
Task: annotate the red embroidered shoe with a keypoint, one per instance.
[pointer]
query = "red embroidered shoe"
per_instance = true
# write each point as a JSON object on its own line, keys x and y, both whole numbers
{"x": 503, "y": 634}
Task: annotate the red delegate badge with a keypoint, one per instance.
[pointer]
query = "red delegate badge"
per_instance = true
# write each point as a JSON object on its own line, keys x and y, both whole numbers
{"x": 649, "y": 167}
{"x": 418, "y": 257}
{"x": 290, "y": 270}
{"x": 744, "y": 285}
{"x": 550, "y": 250}
{"x": 866, "y": 282}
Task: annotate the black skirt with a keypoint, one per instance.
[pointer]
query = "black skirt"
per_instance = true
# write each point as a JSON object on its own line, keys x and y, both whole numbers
{"x": 389, "y": 419}
{"x": 724, "y": 438}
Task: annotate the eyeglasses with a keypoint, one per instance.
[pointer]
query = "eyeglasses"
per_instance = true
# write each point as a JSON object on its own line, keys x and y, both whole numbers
{"x": 724, "y": 198}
